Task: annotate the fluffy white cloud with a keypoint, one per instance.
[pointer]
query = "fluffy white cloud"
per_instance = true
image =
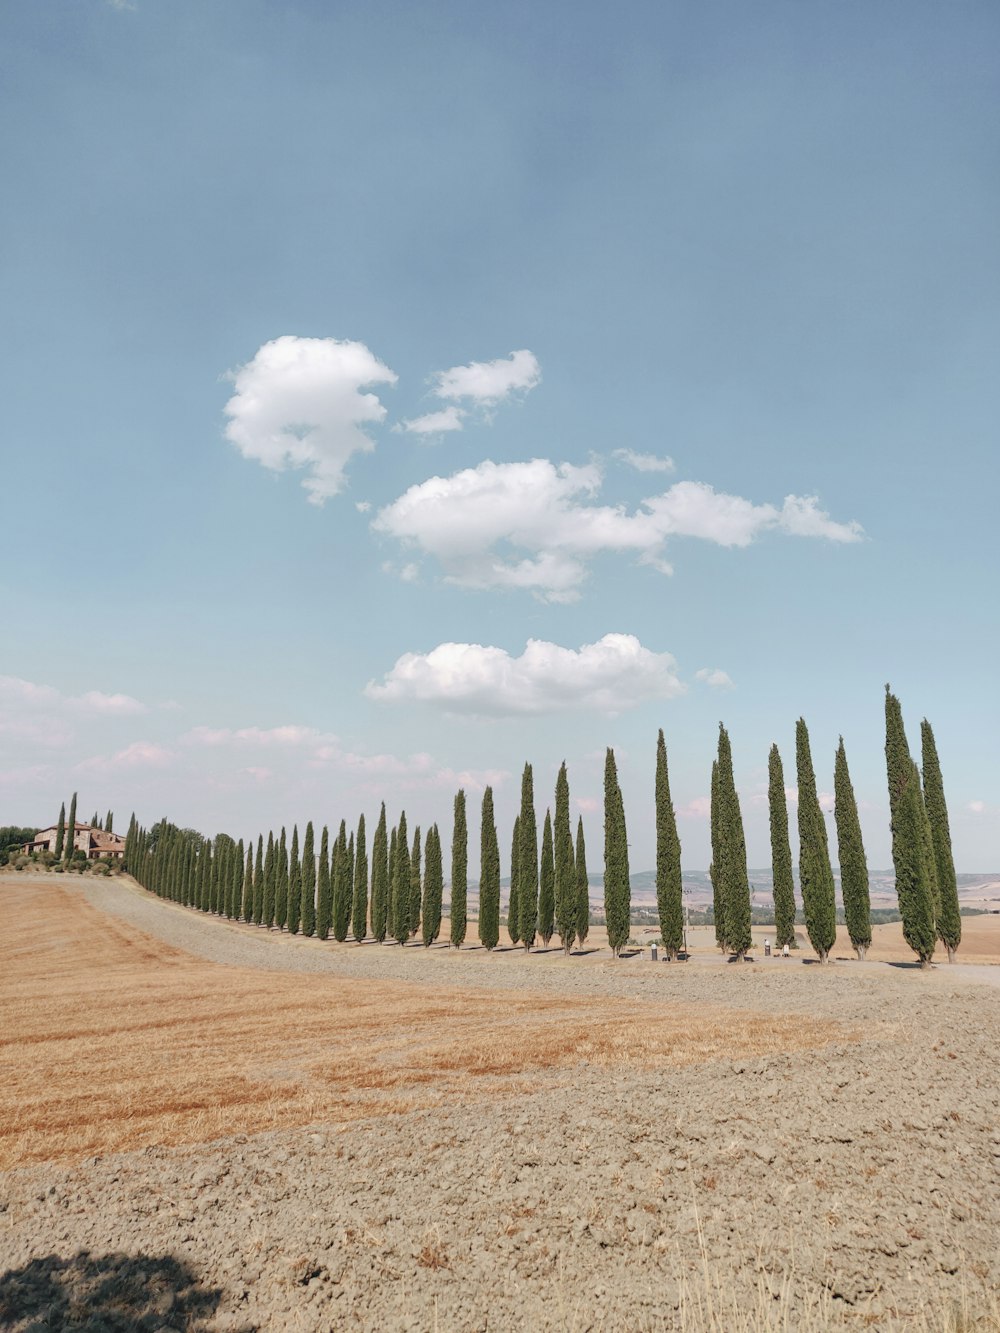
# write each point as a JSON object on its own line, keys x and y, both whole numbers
{"x": 43, "y": 715}
{"x": 435, "y": 423}
{"x": 720, "y": 680}
{"x": 644, "y": 462}
{"x": 140, "y": 754}
{"x": 488, "y": 382}
{"x": 298, "y": 403}
{"x": 534, "y": 525}
{"x": 977, "y": 807}
{"x": 615, "y": 673}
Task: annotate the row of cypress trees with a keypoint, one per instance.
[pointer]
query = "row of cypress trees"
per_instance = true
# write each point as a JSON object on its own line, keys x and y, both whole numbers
{"x": 334, "y": 892}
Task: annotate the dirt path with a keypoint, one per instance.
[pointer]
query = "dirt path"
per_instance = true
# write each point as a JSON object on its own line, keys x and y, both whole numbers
{"x": 641, "y": 1147}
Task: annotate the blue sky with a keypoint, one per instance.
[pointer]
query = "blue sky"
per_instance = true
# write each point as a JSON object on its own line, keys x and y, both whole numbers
{"x": 244, "y": 244}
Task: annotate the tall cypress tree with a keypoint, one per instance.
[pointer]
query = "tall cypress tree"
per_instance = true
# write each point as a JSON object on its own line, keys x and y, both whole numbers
{"x": 70, "y": 831}
{"x": 734, "y": 889}
{"x": 380, "y": 878}
{"x": 949, "y": 917}
{"x": 582, "y": 887}
{"x": 285, "y": 894}
{"x": 715, "y": 868}
{"x": 433, "y": 887}
{"x": 489, "y": 876}
{"x": 270, "y": 883}
{"x": 415, "y": 883}
{"x": 61, "y": 831}
{"x": 401, "y": 885}
{"x": 282, "y": 912}
{"x": 459, "y": 874}
{"x": 815, "y": 872}
{"x": 527, "y": 867}
{"x": 109, "y": 822}
{"x": 246, "y": 900}
{"x": 349, "y": 871}
{"x": 341, "y": 892}
{"x": 565, "y": 867}
{"x": 307, "y": 880}
{"x": 236, "y": 896}
{"x": 781, "y": 853}
{"x": 669, "y": 882}
{"x": 258, "y": 882}
{"x": 390, "y": 898}
{"x": 359, "y": 908}
{"x": 913, "y": 858}
{"x": 617, "y": 889}
{"x": 324, "y": 888}
{"x": 851, "y": 852}
{"x": 547, "y": 884}
{"x": 513, "y": 901}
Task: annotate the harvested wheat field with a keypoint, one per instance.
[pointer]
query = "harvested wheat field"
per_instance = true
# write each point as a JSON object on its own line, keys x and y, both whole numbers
{"x": 202, "y": 1127}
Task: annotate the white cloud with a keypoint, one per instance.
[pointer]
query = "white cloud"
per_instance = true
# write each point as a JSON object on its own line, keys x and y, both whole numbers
{"x": 122, "y": 705}
{"x": 535, "y": 525}
{"x": 977, "y": 807}
{"x": 644, "y": 462}
{"x": 699, "y": 807}
{"x": 714, "y": 677}
{"x": 615, "y": 673}
{"x": 140, "y": 754}
{"x": 362, "y": 506}
{"x": 488, "y": 382}
{"x": 288, "y": 736}
{"x": 45, "y": 716}
{"x": 298, "y": 403}
{"x": 435, "y": 423}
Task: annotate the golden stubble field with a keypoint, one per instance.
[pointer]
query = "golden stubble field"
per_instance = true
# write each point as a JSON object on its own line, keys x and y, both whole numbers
{"x": 111, "y": 1040}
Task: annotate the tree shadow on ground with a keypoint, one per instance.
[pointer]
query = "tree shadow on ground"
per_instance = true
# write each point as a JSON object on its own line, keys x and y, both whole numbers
{"x": 106, "y": 1293}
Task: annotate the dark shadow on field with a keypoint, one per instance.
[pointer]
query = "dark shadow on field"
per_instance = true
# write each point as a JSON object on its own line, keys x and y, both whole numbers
{"x": 106, "y": 1293}
{"x": 913, "y": 965}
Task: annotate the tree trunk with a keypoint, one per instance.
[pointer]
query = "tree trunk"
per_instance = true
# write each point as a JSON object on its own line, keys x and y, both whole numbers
{"x": 951, "y": 952}
{"x": 861, "y": 950}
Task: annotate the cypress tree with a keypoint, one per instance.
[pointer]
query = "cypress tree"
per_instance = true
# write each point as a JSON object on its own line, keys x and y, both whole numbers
{"x": 734, "y": 888}
{"x": 415, "y": 884}
{"x": 851, "y": 852}
{"x": 61, "y": 831}
{"x": 130, "y": 837}
{"x": 401, "y": 885}
{"x": 897, "y": 752}
{"x": 459, "y": 874}
{"x": 913, "y": 858}
{"x": 715, "y": 868}
{"x": 582, "y": 888}
{"x": 815, "y": 872}
{"x": 949, "y": 918}
{"x": 109, "y": 822}
{"x": 513, "y": 902}
{"x": 293, "y": 889}
{"x": 781, "y": 853}
{"x": 380, "y": 879}
{"x": 433, "y": 887}
{"x": 306, "y": 886}
{"x": 349, "y": 873}
{"x": 258, "y": 882}
{"x": 204, "y": 876}
{"x": 359, "y": 912}
{"x": 70, "y": 831}
{"x": 295, "y": 884}
{"x": 270, "y": 873}
{"x": 527, "y": 865}
{"x": 246, "y": 898}
{"x": 236, "y": 896}
{"x": 390, "y": 901}
{"x": 324, "y": 888}
{"x": 341, "y": 894}
{"x": 95, "y": 822}
{"x": 565, "y": 868}
{"x": 617, "y": 890}
{"x": 282, "y": 903}
{"x": 547, "y": 884}
{"x": 669, "y": 883}
{"x": 489, "y": 876}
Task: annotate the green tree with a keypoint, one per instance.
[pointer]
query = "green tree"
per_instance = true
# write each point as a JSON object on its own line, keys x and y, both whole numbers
{"x": 547, "y": 884}
{"x": 401, "y": 885}
{"x": 246, "y": 896}
{"x": 306, "y": 885}
{"x": 565, "y": 867}
{"x": 270, "y": 884}
{"x": 390, "y": 896}
{"x": 294, "y": 886}
{"x": 851, "y": 853}
{"x": 324, "y": 888}
{"x": 380, "y": 878}
{"x": 342, "y": 895}
{"x": 489, "y": 876}
{"x": 109, "y": 821}
{"x": 415, "y": 883}
{"x": 669, "y": 884}
{"x": 282, "y": 906}
{"x": 258, "y": 882}
{"x": 459, "y": 874}
{"x": 815, "y": 872}
{"x": 734, "y": 889}
{"x": 60, "y": 832}
{"x": 949, "y": 918}
{"x": 582, "y": 888}
{"x": 513, "y": 903}
{"x": 781, "y": 854}
{"x": 527, "y": 866}
{"x": 433, "y": 887}
{"x": 715, "y": 868}
{"x": 359, "y": 908}
{"x": 913, "y": 858}
{"x": 70, "y": 831}
{"x": 236, "y": 893}
{"x": 617, "y": 888}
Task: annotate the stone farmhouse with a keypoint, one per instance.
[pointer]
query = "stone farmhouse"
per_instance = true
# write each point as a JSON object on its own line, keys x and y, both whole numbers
{"x": 86, "y": 838}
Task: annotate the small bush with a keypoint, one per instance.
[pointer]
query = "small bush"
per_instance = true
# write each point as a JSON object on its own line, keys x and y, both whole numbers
{"x": 59, "y": 869}
{"x": 20, "y": 862}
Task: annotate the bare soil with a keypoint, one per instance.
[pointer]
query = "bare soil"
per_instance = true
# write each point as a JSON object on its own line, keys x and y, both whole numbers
{"x": 206, "y": 1127}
